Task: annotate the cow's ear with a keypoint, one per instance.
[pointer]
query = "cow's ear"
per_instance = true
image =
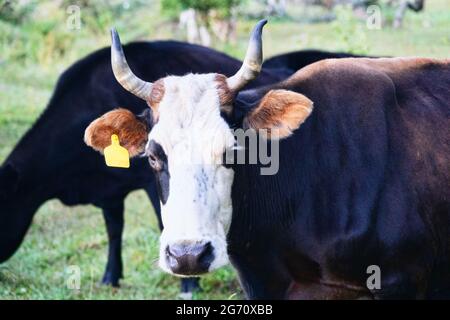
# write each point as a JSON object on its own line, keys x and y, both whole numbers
{"x": 132, "y": 131}
{"x": 279, "y": 113}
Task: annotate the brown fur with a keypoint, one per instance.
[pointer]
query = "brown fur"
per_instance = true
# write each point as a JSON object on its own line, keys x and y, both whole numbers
{"x": 225, "y": 95}
{"x": 132, "y": 132}
{"x": 156, "y": 96}
{"x": 389, "y": 65}
{"x": 280, "y": 112}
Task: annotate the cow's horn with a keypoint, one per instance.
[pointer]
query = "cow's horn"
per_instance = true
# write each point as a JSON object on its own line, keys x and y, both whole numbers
{"x": 253, "y": 60}
{"x": 123, "y": 73}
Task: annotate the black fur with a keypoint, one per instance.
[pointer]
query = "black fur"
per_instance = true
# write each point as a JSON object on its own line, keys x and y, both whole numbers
{"x": 361, "y": 183}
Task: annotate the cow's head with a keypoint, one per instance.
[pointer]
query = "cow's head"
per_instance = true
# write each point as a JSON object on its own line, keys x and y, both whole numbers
{"x": 184, "y": 134}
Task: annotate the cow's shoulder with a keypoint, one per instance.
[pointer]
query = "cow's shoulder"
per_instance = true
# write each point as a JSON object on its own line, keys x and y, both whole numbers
{"x": 340, "y": 84}
{"x": 338, "y": 77}
{"x": 348, "y": 68}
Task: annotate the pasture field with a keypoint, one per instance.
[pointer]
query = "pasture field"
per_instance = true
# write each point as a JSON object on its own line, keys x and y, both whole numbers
{"x": 62, "y": 236}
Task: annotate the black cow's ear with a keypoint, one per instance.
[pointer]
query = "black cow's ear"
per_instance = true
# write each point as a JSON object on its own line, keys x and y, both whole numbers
{"x": 9, "y": 179}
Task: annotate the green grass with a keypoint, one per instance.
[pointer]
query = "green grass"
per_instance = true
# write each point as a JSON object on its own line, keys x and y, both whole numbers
{"x": 61, "y": 236}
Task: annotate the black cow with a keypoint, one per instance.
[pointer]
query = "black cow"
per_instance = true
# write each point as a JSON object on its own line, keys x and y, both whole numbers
{"x": 289, "y": 63}
{"x": 74, "y": 174}
{"x": 363, "y": 183}
{"x": 71, "y": 172}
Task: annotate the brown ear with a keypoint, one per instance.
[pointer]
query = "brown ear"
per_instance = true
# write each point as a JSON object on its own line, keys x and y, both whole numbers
{"x": 132, "y": 132}
{"x": 280, "y": 112}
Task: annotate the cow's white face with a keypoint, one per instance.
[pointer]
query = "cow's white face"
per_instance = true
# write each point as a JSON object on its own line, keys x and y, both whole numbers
{"x": 190, "y": 136}
{"x": 185, "y": 142}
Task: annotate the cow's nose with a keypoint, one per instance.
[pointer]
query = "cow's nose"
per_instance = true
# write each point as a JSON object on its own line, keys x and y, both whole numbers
{"x": 189, "y": 258}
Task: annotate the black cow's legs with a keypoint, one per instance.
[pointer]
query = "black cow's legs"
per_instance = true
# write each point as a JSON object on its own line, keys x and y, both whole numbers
{"x": 114, "y": 218}
{"x": 187, "y": 284}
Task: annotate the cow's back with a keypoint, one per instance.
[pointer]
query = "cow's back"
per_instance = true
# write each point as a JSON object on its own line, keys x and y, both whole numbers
{"x": 417, "y": 116}
{"x": 364, "y": 181}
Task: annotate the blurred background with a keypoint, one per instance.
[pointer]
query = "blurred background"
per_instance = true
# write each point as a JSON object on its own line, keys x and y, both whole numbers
{"x": 40, "y": 39}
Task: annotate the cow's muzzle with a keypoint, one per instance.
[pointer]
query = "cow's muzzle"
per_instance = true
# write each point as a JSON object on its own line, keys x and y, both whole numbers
{"x": 187, "y": 258}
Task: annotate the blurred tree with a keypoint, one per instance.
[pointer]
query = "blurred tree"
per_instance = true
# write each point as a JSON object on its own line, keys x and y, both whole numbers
{"x": 195, "y": 32}
{"x": 402, "y": 6}
{"x": 200, "y": 17}
{"x": 16, "y": 12}
{"x": 276, "y": 7}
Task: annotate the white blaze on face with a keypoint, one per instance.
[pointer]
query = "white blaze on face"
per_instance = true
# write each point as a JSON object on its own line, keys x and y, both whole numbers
{"x": 194, "y": 137}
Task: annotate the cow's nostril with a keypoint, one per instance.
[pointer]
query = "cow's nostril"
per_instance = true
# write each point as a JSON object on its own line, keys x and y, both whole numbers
{"x": 171, "y": 258}
{"x": 190, "y": 258}
{"x": 206, "y": 256}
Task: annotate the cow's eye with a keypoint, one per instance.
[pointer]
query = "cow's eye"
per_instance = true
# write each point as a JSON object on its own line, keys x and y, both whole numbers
{"x": 153, "y": 161}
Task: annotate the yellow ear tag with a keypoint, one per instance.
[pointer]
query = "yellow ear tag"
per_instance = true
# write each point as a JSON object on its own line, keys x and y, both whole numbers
{"x": 116, "y": 155}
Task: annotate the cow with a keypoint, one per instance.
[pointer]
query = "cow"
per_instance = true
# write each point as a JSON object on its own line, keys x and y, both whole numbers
{"x": 72, "y": 172}
{"x": 362, "y": 186}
